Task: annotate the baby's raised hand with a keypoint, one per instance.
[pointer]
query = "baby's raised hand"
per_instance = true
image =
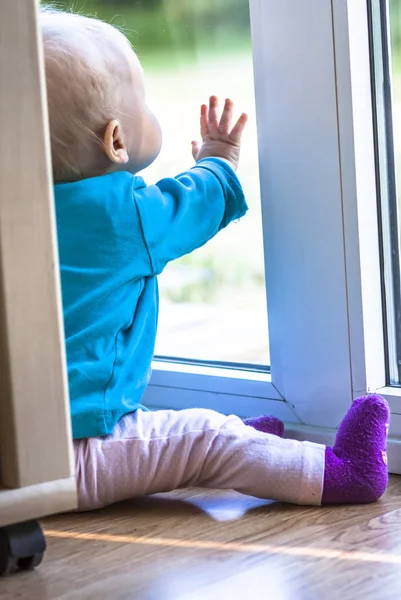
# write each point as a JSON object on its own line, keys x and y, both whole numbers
{"x": 218, "y": 139}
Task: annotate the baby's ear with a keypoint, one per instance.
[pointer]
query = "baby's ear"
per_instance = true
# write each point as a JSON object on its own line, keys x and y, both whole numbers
{"x": 114, "y": 144}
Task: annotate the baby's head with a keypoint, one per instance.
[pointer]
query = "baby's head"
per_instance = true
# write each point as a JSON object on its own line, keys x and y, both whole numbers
{"x": 99, "y": 119}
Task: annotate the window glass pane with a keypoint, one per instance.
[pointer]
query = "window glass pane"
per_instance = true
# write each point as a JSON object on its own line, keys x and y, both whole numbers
{"x": 212, "y": 302}
{"x": 385, "y": 24}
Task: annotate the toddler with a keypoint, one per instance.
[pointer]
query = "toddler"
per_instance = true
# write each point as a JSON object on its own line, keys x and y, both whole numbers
{"x": 116, "y": 235}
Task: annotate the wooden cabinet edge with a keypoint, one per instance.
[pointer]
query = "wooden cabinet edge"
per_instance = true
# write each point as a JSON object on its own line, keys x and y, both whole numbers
{"x": 37, "y": 501}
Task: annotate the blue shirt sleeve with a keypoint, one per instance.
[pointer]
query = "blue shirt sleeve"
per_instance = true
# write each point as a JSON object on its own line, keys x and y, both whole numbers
{"x": 181, "y": 214}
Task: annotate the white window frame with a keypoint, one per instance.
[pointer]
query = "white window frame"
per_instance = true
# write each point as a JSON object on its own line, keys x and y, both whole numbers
{"x": 320, "y": 227}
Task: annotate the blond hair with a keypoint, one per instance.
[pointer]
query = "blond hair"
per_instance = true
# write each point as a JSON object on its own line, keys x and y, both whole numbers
{"x": 86, "y": 64}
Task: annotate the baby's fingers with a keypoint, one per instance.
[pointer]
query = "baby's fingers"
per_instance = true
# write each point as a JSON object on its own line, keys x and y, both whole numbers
{"x": 226, "y": 117}
{"x": 213, "y": 115}
{"x": 236, "y": 132}
{"x": 195, "y": 149}
{"x": 204, "y": 122}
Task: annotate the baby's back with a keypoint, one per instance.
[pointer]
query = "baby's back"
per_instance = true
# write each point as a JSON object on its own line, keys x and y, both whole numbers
{"x": 109, "y": 299}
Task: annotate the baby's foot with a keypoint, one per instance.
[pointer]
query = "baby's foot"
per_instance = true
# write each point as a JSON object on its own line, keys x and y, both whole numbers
{"x": 267, "y": 424}
{"x": 356, "y": 467}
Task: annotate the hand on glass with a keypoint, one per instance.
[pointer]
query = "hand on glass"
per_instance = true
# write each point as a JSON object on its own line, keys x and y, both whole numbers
{"x": 218, "y": 139}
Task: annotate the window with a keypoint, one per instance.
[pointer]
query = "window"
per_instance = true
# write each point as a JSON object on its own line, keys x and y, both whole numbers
{"x": 320, "y": 225}
{"x": 213, "y": 301}
{"x": 385, "y": 31}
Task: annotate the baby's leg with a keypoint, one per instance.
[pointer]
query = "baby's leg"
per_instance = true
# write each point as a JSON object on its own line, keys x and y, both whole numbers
{"x": 267, "y": 424}
{"x": 158, "y": 452}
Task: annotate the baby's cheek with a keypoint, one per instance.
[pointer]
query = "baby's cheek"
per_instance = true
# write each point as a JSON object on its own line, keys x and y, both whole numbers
{"x": 155, "y": 134}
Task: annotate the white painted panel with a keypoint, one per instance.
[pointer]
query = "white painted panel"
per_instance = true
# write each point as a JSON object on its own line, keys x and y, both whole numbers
{"x": 296, "y": 104}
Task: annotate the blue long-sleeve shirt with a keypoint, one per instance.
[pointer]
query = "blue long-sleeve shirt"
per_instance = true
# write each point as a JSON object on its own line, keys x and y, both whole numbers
{"x": 115, "y": 235}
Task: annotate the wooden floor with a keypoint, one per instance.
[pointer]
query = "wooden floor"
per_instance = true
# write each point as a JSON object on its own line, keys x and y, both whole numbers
{"x": 216, "y": 545}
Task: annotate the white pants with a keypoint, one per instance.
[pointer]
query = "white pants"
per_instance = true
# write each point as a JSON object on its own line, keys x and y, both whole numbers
{"x": 160, "y": 451}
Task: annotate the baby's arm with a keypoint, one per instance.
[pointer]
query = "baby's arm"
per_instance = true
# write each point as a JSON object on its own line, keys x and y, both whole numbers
{"x": 218, "y": 139}
{"x": 180, "y": 214}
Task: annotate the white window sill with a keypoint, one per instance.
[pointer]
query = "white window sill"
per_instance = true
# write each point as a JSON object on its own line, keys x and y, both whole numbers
{"x": 242, "y": 392}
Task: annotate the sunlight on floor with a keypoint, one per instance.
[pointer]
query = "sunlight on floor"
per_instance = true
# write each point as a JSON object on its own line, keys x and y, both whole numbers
{"x": 310, "y": 552}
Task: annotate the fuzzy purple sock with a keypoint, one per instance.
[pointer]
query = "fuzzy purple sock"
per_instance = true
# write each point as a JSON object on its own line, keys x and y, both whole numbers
{"x": 267, "y": 424}
{"x": 356, "y": 467}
